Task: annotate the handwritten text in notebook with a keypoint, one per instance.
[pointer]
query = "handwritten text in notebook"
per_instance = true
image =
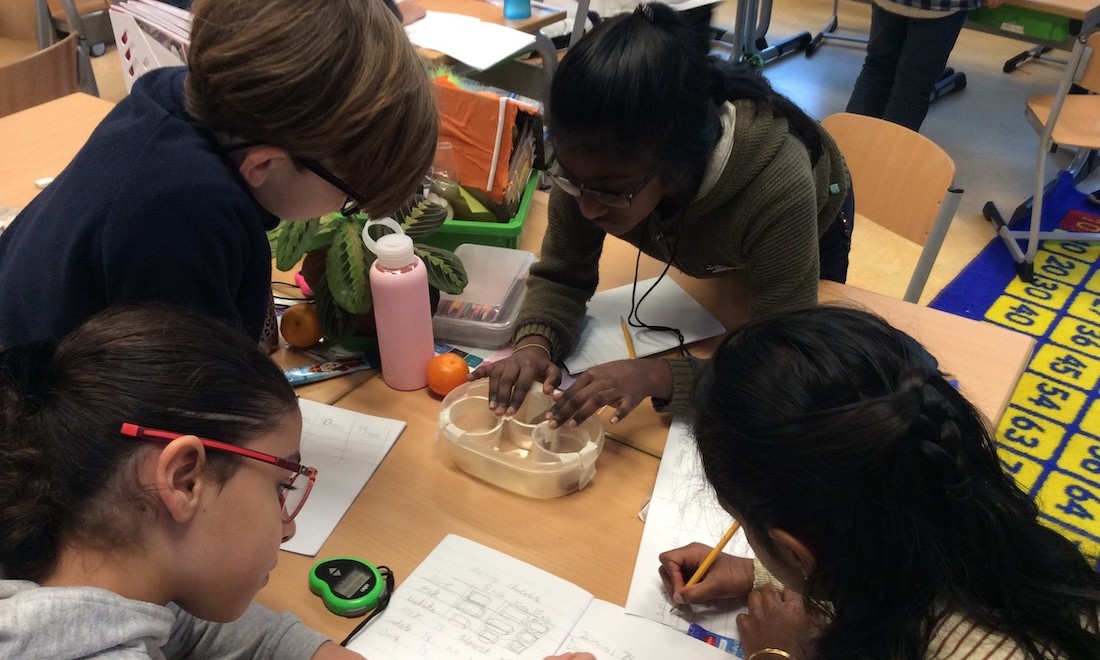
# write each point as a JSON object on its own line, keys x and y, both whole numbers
{"x": 466, "y": 601}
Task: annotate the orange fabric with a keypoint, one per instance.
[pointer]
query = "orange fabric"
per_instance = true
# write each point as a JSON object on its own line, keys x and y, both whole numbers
{"x": 469, "y": 122}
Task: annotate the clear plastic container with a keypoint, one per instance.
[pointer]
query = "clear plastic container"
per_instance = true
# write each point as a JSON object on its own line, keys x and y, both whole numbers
{"x": 520, "y": 453}
{"x": 484, "y": 313}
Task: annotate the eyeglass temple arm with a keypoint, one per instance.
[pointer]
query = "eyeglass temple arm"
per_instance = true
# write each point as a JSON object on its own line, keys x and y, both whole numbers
{"x": 136, "y": 431}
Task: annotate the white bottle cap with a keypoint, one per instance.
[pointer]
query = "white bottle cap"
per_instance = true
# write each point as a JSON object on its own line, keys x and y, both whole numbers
{"x": 393, "y": 250}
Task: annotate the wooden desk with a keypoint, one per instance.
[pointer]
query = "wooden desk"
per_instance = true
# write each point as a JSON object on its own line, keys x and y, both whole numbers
{"x": 417, "y": 496}
{"x": 40, "y": 142}
{"x": 591, "y": 537}
{"x": 986, "y": 359}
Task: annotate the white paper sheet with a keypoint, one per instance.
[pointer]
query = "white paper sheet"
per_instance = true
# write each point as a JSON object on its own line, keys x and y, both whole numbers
{"x": 683, "y": 509}
{"x": 468, "y": 601}
{"x": 346, "y": 447}
{"x": 468, "y": 39}
{"x": 669, "y": 305}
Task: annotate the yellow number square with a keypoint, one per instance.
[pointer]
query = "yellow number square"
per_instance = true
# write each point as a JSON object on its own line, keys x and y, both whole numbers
{"x": 1084, "y": 250}
{"x": 1040, "y": 291}
{"x": 1081, "y": 456}
{"x": 1020, "y": 315}
{"x": 1070, "y": 270}
{"x": 1086, "y": 305}
{"x": 1048, "y": 398}
{"x": 1088, "y": 546}
{"x": 1070, "y": 500}
{"x": 1079, "y": 335}
{"x": 1066, "y": 365}
{"x": 1028, "y": 434}
{"x": 1024, "y": 470}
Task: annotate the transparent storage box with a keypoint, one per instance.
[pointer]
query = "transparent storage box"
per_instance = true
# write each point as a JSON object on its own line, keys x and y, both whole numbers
{"x": 520, "y": 453}
{"x": 484, "y": 313}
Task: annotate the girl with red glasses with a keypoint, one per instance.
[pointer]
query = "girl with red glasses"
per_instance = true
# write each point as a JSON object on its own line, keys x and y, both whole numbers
{"x": 149, "y": 471}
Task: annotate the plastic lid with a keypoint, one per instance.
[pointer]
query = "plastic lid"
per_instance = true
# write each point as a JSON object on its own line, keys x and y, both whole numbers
{"x": 393, "y": 250}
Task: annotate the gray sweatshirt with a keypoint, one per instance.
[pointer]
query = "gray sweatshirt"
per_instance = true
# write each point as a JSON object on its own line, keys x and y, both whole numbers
{"x": 56, "y": 623}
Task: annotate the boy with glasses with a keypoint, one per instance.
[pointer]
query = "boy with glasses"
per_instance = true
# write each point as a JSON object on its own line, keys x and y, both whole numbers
{"x": 288, "y": 109}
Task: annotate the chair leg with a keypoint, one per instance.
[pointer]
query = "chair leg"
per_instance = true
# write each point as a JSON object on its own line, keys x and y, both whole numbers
{"x": 932, "y": 245}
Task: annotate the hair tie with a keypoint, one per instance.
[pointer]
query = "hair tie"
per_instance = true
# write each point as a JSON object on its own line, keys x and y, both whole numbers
{"x": 26, "y": 367}
{"x": 646, "y": 11}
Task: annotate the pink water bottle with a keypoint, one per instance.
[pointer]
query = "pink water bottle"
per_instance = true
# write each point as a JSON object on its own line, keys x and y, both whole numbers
{"x": 402, "y": 311}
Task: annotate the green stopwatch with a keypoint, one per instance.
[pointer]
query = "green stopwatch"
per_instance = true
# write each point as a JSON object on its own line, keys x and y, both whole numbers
{"x": 348, "y": 586}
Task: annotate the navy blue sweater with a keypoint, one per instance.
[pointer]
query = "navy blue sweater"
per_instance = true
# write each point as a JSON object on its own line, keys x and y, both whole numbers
{"x": 149, "y": 210}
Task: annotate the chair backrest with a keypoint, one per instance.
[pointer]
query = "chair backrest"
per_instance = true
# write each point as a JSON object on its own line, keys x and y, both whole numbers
{"x": 900, "y": 177}
{"x": 1090, "y": 76}
{"x": 17, "y": 20}
{"x": 46, "y": 75}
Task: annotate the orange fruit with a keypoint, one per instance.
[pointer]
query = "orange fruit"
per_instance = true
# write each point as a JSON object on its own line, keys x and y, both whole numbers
{"x": 446, "y": 372}
{"x": 300, "y": 326}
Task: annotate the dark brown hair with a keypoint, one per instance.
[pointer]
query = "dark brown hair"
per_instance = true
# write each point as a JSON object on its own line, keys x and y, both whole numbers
{"x": 63, "y": 462}
{"x": 336, "y": 81}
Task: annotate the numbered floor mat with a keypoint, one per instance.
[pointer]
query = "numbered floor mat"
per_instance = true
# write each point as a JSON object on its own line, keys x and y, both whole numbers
{"x": 1049, "y": 438}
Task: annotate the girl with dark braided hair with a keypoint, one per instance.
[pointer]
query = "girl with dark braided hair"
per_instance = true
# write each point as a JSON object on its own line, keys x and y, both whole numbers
{"x": 871, "y": 490}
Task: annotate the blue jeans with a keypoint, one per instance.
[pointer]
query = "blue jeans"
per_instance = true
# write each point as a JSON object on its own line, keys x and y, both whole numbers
{"x": 905, "y": 58}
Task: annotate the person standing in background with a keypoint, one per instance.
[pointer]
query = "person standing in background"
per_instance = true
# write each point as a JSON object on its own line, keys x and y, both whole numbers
{"x": 907, "y": 51}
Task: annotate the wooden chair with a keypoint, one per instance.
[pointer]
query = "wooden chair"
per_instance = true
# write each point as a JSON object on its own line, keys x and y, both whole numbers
{"x": 1078, "y": 124}
{"x": 42, "y": 76}
{"x": 903, "y": 182}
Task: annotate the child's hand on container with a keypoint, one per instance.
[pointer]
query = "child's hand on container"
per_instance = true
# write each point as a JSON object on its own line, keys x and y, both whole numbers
{"x": 622, "y": 383}
{"x": 510, "y": 379}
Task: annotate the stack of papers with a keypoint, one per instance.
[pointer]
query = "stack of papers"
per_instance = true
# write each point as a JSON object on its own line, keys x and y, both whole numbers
{"x": 468, "y": 39}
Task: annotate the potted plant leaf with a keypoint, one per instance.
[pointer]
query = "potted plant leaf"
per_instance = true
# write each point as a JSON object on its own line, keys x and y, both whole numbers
{"x": 336, "y": 262}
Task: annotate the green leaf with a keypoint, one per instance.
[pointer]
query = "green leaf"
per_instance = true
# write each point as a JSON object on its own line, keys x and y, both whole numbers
{"x": 347, "y": 264}
{"x": 293, "y": 241}
{"x": 337, "y": 324}
{"x": 421, "y": 217}
{"x": 445, "y": 270}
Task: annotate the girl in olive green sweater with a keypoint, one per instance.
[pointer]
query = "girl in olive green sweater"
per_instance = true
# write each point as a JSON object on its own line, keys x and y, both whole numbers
{"x": 704, "y": 168}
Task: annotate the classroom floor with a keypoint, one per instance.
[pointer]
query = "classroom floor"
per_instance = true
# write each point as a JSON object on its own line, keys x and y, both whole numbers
{"x": 982, "y": 127}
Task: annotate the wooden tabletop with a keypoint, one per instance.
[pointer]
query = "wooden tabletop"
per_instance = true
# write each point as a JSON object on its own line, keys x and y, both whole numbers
{"x": 1086, "y": 11}
{"x": 39, "y": 142}
{"x": 417, "y": 496}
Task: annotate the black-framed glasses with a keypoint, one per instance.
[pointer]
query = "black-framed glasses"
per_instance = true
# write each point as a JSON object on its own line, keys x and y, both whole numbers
{"x": 351, "y": 203}
{"x": 602, "y": 197}
{"x": 292, "y": 496}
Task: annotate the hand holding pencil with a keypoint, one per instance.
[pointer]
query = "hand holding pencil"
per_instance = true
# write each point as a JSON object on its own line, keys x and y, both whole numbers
{"x": 697, "y": 572}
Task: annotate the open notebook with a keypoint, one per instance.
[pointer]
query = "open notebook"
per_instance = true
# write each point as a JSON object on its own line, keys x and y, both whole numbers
{"x": 467, "y": 601}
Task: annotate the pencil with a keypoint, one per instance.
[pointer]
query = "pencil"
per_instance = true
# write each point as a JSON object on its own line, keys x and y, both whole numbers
{"x": 629, "y": 340}
{"x": 705, "y": 566}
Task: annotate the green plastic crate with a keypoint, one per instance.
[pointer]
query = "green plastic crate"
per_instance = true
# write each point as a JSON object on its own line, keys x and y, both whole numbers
{"x": 1026, "y": 23}
{"x": 498, "y": 234}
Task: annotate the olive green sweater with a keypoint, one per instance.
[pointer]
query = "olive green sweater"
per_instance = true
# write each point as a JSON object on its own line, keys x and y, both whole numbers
{"x": 764, "y": 213}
